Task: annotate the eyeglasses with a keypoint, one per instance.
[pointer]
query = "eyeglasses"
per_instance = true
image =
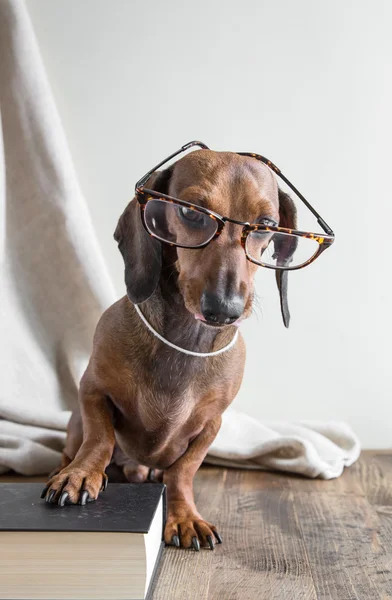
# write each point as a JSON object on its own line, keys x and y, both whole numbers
{"x": 186, "y": 225}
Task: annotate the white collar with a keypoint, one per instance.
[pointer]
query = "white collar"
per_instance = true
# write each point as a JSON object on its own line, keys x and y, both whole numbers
{"x": 165, "y": 341}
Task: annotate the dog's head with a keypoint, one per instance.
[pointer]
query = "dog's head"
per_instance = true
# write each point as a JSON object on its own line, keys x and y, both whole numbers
{"x": 216, "y": 282}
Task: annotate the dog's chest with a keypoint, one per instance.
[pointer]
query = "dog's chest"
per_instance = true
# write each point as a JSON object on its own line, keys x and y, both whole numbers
{"x": 161, "y": 406}
{"x": 159, "y": 428}
{"x": 160, "y": 403}
{"x": 159, "y": 390}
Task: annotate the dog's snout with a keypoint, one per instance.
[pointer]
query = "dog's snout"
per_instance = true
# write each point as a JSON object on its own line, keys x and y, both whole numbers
{"x": 221, "y": 310}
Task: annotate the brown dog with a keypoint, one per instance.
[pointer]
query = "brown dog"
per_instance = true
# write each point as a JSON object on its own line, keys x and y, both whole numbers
{"x": 146, "y": 405}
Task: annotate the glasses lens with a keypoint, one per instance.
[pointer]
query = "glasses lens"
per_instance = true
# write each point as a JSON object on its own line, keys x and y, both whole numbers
{"x": 179, "y": 225}
{"x": 280, "y": 249}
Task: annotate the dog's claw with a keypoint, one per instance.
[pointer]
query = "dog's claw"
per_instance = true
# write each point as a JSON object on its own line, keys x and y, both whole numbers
{"x": 218, "y": 537}
{"x": 195, "y": 544}
{"x": 151, "y": 475}
{"x": 44, "y": 491}
{"x": 176, "y": 540}
{"x": 210, "y": 542}
{"x": 50, "y": 496}
{"x": 84, "y": 497}
{"x": 104, "y": 482}
{"x": 63, "y": 498}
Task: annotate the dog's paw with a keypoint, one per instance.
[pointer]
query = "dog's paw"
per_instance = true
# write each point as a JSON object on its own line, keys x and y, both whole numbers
{"x": 190, "y": 531}
{"x": 155, "y": 475}
{"x": 74, "y": 486}
{"x": 135, "y": 473}
{"x": 139, "y": 473}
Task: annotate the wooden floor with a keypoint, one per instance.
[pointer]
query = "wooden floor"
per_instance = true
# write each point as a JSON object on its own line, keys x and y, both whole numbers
{"x": 289, "y": 538}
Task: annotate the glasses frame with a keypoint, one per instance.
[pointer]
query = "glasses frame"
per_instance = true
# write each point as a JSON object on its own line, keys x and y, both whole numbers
{"x": 144, "y": 195}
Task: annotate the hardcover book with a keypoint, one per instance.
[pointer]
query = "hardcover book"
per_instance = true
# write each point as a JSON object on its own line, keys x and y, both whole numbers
{"x": 107, "y": 549}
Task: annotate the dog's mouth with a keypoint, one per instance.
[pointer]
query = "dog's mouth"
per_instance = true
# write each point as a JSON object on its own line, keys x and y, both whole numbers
{"x": 220, "y": 324}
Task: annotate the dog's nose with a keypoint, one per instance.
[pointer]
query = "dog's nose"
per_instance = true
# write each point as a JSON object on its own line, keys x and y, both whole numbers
{"x": 221, "y": 310}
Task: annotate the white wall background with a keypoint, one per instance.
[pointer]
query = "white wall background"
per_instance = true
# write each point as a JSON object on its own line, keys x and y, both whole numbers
{"x": 306, "y": 83}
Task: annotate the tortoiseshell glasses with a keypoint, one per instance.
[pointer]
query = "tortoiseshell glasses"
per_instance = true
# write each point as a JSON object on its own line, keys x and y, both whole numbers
{"x": 187, "y": 225}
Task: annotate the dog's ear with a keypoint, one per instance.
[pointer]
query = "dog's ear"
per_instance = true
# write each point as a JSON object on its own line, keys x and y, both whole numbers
{"x": 142, "y": 253}
{"x": 284, "y": 250}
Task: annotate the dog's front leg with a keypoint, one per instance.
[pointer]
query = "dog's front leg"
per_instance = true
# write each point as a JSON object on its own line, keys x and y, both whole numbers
{"x": 185, "y": 526}
{"x": 85, "y": 477}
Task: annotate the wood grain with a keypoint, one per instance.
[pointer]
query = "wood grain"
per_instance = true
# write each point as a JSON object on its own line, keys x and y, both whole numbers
{"x": 288, "y": 538}
{"x": 263, "y": 554}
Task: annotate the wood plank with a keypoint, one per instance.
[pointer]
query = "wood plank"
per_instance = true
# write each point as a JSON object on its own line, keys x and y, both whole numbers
{"x": 347, "y": 557}
{"x": 263, "y": 556}
{"x": 377, "y": 482}
{"x": 348, "y": 484}
{"x": 12, "y": 477}
{"x": 374, "y": 473}
{"x": 384, "y": 539}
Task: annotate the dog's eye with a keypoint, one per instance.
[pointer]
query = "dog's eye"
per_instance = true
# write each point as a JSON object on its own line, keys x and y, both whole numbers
{"x": 193, "y": 216}
{"x": 267, "y": 221}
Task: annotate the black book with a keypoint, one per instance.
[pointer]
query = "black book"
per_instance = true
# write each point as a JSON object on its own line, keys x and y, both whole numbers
{"x": 107, "y": 549}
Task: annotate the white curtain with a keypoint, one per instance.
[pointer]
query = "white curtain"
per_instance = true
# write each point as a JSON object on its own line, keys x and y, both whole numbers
{"x": 54, "y": 283}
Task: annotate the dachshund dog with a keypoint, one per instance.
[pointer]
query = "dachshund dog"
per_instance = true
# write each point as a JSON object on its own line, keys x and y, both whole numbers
{"x": 144, "y": 404}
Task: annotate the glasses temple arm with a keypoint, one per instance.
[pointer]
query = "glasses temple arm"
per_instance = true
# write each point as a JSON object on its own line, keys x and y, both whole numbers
{"x": 146, "y": 177}
{"x": 323, "y": 224}
{"x": 320, "y": 220}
